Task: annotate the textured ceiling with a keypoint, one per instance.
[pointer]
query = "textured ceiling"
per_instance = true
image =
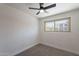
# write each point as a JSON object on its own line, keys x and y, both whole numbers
{"x": 60, "y": 7}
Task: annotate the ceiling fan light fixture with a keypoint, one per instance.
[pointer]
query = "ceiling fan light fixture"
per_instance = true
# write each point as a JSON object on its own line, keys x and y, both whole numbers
{"x": 41, "y": 10}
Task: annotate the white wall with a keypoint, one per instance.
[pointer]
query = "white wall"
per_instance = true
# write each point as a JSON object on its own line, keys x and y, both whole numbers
{"x": 63, "y": 40}
{"x": 18, "y": 30}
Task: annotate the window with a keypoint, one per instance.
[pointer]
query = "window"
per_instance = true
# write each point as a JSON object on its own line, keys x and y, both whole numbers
{"x": 61, "y": 25}
{"x": 49, "y": 26}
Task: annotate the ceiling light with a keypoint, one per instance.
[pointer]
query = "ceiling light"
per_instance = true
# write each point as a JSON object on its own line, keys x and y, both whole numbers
{"x": 41, "y": 10}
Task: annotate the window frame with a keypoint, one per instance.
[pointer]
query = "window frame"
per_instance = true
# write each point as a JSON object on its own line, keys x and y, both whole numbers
{"x": 69, "y": 20}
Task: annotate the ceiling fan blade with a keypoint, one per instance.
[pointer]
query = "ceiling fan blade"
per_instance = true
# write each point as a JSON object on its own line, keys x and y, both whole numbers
{"x": 50, "y": 6}
{"x": 34, "y": 8}
{"x": 37, "y": 12}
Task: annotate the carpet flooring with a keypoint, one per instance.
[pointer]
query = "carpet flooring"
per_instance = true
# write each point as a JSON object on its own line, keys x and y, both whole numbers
{"x": 43, "y": 50}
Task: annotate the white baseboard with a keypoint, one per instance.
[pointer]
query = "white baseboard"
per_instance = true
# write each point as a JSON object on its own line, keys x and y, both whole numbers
{"x": 48, "y": 44}
{"x": 24, "y": 49}
{"x": 19, "y": 51}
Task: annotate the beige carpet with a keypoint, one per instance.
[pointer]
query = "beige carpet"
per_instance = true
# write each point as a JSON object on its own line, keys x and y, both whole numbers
{"x": 43, "y": 50}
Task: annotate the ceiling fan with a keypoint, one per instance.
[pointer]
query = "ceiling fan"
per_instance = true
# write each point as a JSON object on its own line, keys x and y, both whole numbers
{"x": 41, "y": 9}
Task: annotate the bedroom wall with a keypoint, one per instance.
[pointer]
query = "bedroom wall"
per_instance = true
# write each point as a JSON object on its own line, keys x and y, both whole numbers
{"x": 18, "y": 30}
{"x": 63, "y": 40}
